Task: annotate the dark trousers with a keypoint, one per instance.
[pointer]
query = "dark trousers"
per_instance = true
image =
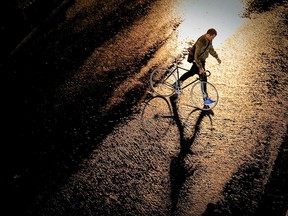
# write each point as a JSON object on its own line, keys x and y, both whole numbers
{"x": 195, "y": 70}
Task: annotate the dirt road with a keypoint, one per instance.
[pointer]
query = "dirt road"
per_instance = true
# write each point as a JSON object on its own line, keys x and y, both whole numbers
{"x": 93, "y": 156}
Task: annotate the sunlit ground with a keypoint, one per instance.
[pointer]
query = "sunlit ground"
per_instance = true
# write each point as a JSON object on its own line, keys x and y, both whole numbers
{"x": 200, "y": 15}
{"x": 232, "y": 151}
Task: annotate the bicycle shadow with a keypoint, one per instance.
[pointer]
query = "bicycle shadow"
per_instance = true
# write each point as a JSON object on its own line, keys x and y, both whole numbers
{"x": 156, "y": 116}
{"x": 179, "y": 172}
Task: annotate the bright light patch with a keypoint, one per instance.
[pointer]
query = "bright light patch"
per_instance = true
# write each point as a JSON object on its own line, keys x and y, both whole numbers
{"x": 200, "y": 15}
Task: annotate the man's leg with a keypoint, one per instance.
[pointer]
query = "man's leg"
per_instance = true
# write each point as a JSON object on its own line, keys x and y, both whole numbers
{"x": 203, "y": 78}
{"x": 203, "y": 84}
{"x": 194, "y": 70}
{"x": 207, "y": 100}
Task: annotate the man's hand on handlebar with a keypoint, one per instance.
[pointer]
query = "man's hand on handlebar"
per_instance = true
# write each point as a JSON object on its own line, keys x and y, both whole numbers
{"x": 202, "y": 71}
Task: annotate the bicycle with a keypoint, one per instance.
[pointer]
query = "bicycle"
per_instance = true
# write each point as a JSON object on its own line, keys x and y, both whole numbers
{"x": 162, "y": 80}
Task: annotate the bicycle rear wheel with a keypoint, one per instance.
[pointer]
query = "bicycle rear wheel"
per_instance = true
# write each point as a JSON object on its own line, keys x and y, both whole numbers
{"x": 197, "y": 96}
{"x": 161, "y": 81}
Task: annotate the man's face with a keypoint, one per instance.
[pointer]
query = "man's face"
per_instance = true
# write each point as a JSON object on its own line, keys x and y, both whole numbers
{"x": 211, "y": 37}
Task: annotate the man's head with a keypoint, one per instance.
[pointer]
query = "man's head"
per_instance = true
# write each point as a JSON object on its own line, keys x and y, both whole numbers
{"x": 211, "y": 33}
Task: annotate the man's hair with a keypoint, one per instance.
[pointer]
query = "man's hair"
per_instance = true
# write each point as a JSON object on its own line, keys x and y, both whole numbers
{"x": 212, "y": 31}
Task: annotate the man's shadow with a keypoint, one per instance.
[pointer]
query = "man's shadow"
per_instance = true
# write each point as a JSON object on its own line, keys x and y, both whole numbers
{"x": 178, "y": 171}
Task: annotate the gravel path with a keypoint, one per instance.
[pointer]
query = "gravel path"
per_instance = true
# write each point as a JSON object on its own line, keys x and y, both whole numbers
{"x": 219, "y": 164}
{"x": 89, "y": 154}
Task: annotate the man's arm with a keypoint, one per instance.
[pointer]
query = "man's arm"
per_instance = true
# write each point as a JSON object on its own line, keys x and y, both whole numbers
{"x": 214, "y": 53}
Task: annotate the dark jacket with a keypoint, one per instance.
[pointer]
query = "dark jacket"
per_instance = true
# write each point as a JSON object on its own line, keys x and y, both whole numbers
{"x": 200, "y": 53}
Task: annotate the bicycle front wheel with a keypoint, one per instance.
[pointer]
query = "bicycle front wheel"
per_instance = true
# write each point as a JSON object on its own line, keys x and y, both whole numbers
{"x": 161, "y": 81}
{"x": 198, "y": 91}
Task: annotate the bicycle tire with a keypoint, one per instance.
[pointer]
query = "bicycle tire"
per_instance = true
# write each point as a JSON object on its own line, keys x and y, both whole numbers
{"x": 156, "y": 117}
{"x": 197, "y": 95}
{"x": 161, "y": 81}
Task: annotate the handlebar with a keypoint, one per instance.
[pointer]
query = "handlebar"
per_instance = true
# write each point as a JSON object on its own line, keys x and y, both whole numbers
{"x": 207, "y": 73}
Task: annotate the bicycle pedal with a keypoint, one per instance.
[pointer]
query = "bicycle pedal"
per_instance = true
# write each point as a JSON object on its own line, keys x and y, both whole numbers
{"x": 178, "y": 92}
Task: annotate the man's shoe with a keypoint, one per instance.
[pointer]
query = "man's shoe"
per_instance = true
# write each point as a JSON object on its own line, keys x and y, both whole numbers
{"x": 208, "y": 101}
{"x": 176, "y": 88}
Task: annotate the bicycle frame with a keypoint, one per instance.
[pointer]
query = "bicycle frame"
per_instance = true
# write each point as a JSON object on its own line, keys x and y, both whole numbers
{"x": 178, "y": 77}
